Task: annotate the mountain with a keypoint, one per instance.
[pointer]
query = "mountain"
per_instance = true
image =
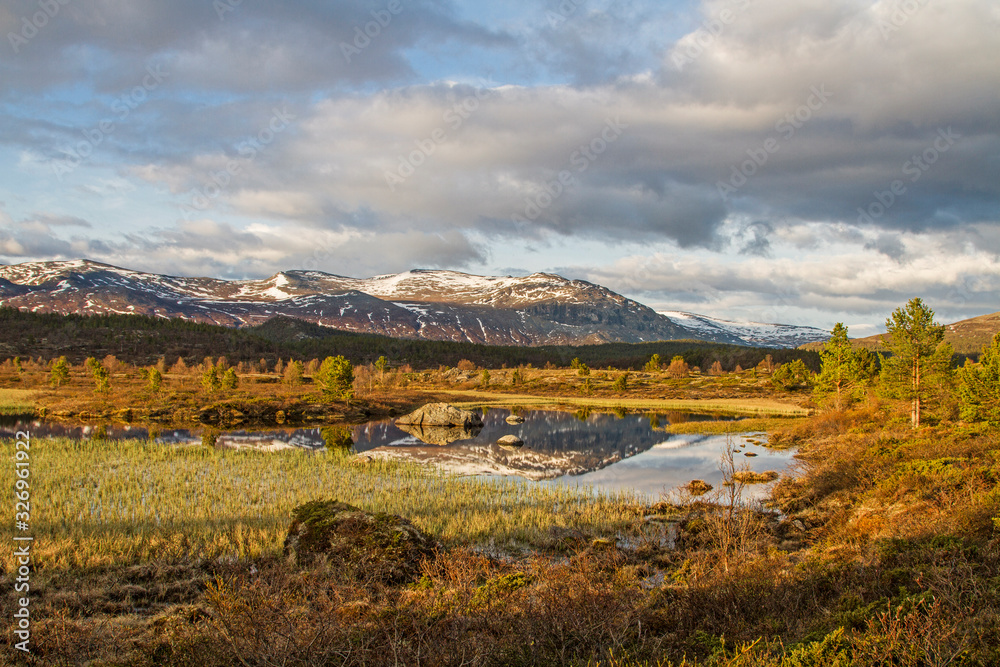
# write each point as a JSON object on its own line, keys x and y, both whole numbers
{"x": 540, "y": 309}
{"x": 756, "y": 334}
{"x": 437, "y": 305}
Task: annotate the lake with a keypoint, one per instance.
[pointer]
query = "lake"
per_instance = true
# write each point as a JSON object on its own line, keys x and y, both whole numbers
{"x": 602, "y": 451}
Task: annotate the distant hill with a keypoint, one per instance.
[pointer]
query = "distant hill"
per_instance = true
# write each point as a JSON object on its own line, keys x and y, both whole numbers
{"x": 757, "y": 334}
{"x": 967, "y": 337}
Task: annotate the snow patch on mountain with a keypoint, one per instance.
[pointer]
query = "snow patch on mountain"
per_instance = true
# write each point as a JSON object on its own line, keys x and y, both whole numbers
{"x": 760, "y": 334}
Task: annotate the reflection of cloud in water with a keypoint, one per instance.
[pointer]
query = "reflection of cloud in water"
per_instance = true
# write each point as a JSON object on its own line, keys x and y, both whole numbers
{"x": 602, "y": 450}
{"x": 662, "y": 469}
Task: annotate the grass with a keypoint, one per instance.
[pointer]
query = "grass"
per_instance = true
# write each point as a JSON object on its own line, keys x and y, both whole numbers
{"x": 17, "y": 401}
{"x": 739, "y": 406}
{"x": 98, "y": 503}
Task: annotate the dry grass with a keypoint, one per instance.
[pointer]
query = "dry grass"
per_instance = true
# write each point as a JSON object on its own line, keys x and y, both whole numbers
{"x": 735, "y": 406}
{"x": 17, "y": 401}
{"x": 101, "y": 503}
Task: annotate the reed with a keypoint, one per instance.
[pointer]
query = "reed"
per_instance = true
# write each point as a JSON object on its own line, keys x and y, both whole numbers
{"x": 101, "y": 503}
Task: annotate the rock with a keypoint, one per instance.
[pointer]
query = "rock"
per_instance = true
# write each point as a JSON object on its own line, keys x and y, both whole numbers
{"x": 750, "y": 454}
{"x": 379, "y": 546}
{"x": 440, "y": 435}
{"x": 750, "y": 477}
{"x": 441, "y": 414}
{"x": 697, "y": 487}
{"x": 515, "y": 419}
{"x": 511, "y": 441}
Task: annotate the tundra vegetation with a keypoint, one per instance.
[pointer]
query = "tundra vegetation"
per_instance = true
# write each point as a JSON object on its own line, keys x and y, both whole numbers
{"x": 882, "y": 547}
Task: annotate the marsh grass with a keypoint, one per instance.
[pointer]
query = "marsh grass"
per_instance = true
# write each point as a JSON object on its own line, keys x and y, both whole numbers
{"x": 97, "y": 503}
{"x": 17, "y": 401}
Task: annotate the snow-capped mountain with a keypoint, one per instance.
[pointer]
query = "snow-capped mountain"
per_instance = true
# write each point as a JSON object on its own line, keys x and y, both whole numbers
{"x": 758, "y": 334}
{"x": 540, "y": 309}
{"x": 437, "y": 305}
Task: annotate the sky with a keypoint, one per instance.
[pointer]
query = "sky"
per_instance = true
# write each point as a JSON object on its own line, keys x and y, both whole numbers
{"x": 806, "y": 162}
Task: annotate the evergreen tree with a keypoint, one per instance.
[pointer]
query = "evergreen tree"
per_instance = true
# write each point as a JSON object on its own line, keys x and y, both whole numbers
{"x": 792, "y": 375}
{"x": 915, "y": 338}
{"x": 229, "y": 379}
{"x": 841, "y": 373}
{"x": 210, "y": 380}
{"x": 102, "y": 379}
{"x": 484, "y": 378}
{"x": 621, "y": 384}
{"x": 155, "y": 379}
{"x": 979, "y": 386}
{"x": 60, "y": 373}
{"x": 653, "y": 365}
{"x": 335, "y": 378}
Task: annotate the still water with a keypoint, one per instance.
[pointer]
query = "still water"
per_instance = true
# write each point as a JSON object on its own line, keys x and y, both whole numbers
{"x": 602, "y": 451}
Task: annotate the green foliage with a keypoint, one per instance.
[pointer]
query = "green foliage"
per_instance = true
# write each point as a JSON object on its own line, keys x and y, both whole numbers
{"x": 517, "y": 377}
{"x": 60, "y": 373}
{"x": 229, "y": 379}
{"x": 335, "y": 378}
{"x": 484, "y": 378}
{"x": 979, "y": 386}
{"x": 102, "y": 379}
{"x": 918, "y": 358}
{"x": 621, "y": 384}
{"x": 845, "y": 372}
{"x": 381, "y": 364}
{"x": 583, "y": 370}
{"x": 793, "y": 375}
{"x": 653, "y": 365}
{"x": 155, "y": 379}
{"x": 210, "y": 380}
{"x": 337, "y": 438}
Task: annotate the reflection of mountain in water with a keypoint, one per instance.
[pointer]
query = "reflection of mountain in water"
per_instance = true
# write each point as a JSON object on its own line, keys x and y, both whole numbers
{"x": 556, "y": 444}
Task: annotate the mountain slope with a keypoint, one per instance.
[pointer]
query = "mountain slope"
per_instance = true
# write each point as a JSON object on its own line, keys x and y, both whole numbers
{"x": 749, "y": 333}
{"x": 437, "y": 305}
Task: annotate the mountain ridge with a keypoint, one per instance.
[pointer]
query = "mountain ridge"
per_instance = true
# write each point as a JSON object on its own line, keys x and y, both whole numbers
{"x": 538, "y": 309}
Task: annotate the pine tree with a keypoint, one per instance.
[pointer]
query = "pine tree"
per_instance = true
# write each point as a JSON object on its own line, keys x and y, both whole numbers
{"x": 335, "y": 378}
{"x": 230, "y": 380}
{"x": 60, "y": 373}
{"x": 155, "y": 379}
{"x": 915, "y": 338}
{"x": 840, "y": 371}
{"x": 210, "y": 380}
{"x": 979, "y": 386}
{"x": 653, "y": 365}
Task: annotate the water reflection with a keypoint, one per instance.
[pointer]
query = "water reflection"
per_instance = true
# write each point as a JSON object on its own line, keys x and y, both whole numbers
{"x": 602, "y": 450}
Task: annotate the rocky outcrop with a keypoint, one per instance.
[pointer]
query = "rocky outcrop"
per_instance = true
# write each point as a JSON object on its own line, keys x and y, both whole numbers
{"x": 441, "y": 414}
{"x": 515, "y": 419}
{"x": 378, "y": 546}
